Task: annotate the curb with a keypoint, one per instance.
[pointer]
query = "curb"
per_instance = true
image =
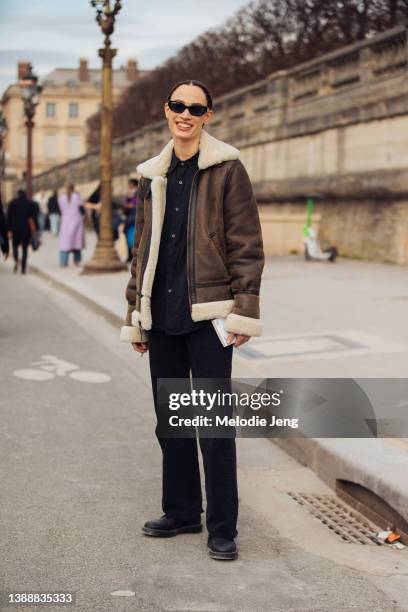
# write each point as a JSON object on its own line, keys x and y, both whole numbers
{"x": 114, "y": 319}
{"x": 373, "y": 464}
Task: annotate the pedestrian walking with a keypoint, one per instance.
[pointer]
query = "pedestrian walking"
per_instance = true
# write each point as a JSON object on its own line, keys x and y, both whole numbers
{"x": 94, "y": 204}
{"x": 42, "y": 200}
{"x": 71, "y": 235}
{"x": 21, "y": 221}
{"x": 198, "y": 255}
{"x": 54, "y": 213}
{"x": 129, "y": 207}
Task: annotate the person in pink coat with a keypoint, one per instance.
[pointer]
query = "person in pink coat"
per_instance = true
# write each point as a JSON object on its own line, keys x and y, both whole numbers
{"x": 72, "y": 235}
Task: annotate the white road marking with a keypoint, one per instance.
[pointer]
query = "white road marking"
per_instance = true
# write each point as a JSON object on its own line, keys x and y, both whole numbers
{"x": 123, "y": 593}
{"x": 51, "y": 366}
{"x": 38, "y": 375}
{"x": 90, "y": 377}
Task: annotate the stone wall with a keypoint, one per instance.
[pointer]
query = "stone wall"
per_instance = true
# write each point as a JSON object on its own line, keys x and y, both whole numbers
{"x": 376, "y": 230}
{"x": 335, "y": 128}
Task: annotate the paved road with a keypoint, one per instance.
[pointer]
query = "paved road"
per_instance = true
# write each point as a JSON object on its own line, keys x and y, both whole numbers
{"x": 80, "y": 473}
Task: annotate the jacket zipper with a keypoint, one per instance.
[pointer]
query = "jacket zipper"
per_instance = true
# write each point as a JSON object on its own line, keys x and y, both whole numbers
{"x": 190, "y": 243}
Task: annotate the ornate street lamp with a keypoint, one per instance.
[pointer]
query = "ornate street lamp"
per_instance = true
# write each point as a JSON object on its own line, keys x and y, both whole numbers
{"x": 105, "y": 258}
{"x": 30, "y": 91}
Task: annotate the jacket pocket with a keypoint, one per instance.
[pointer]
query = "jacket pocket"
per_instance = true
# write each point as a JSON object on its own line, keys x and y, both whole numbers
{"x": 214, "y": 243}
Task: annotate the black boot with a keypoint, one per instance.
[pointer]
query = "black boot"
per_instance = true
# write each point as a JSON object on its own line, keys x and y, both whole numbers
{"x": 167, "y": 527}
{"x": 222, "y": 548}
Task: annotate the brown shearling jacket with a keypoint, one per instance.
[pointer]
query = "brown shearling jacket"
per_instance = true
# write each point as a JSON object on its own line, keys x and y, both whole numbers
{"x": 225, "y": 256}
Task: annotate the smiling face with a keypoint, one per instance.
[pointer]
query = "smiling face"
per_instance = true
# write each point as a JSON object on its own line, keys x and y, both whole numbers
{"x": 185, "y": 126}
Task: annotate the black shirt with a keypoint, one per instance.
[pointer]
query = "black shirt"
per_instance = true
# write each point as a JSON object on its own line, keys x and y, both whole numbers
{"x": 169, "y": 301}
{"x": 53, "y": 206}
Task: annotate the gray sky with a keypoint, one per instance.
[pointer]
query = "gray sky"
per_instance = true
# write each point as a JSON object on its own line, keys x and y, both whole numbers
{"x": 55, "y": 33}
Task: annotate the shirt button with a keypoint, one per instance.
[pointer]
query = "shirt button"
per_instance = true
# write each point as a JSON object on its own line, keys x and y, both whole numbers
{"x": 169, "y": 290}
{"x": 173, "y": 235}
{"x": 180, "y": 182}
{"x": 176, "y": 208}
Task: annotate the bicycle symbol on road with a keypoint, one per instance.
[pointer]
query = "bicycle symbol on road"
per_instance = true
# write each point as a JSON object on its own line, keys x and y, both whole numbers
{"x": 50, "y": 366}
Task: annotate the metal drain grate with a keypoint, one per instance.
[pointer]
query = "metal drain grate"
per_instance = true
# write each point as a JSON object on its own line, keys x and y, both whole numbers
{"x": 347, "y": 524}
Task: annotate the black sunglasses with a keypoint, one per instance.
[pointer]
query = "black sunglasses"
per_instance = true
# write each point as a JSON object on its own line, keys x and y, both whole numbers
{"x": 197, "y": 110}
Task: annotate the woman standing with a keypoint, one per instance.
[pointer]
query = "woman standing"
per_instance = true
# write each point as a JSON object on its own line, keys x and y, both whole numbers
{"x": 71, "y": 236}
{"x": 198, "y": 255}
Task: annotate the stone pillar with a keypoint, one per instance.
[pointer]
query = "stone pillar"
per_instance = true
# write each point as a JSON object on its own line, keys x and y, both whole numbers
{"x": 83, "y": 72}
{"x": 366, "y": 65}
{"x": 132, "y": 70}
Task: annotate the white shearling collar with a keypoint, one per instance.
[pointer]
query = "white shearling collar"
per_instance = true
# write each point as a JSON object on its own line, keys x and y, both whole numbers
{"x": 211, "y": 151}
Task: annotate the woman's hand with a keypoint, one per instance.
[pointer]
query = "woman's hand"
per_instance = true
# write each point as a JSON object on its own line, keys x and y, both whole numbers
{"x": 140, "y": 347}
{"x": 239, "y": 339}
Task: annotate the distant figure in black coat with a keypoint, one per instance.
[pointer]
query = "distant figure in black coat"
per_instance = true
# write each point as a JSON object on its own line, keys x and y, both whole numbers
{"x": 21, "y": 220}
{"x": 54, "y": 213}
{"x": 93, "y": 204}
{"x": 4, "y": 239}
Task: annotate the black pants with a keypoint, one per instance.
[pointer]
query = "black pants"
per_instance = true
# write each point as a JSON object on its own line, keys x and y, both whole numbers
{"x": 24, "y": 241}
{"x": 173, "y": 357}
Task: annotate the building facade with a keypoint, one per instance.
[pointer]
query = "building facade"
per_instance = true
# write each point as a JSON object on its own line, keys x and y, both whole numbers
{"x": 69, "y": 97}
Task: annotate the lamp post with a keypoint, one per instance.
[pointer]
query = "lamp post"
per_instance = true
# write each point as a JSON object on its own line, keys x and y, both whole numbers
{"x": 105, "y": 258}
{"x": 30, "y": 92}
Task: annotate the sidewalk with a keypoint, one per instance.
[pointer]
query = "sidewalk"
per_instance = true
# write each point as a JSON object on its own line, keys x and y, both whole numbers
{"x": 320, "y": 320}
{"x": 105, "y": 291}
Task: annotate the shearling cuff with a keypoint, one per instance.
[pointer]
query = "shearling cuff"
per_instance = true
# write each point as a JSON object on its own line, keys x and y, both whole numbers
{"x": 130, "y": 333}
{"x": 244, "y": 318}
{"x": 133, "y": 331}
{"x": 239, "y": 324}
